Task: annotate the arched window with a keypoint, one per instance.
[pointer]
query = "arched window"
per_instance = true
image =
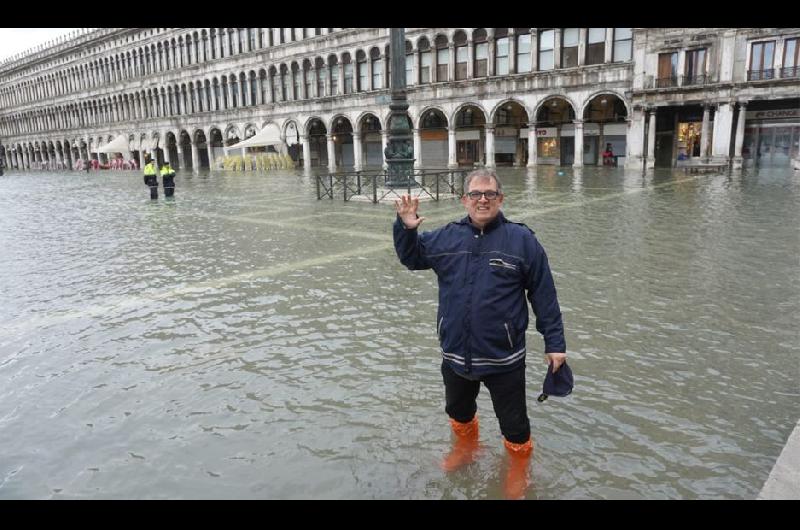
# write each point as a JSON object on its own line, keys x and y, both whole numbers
{"x": 523, "y": 36}
{"x": 253, "y": 88}
{"x": 481, "y": 45}
{"x": 224, "y": 89}
{"x": 251, "y": 38}
{"x": 264, "y": 84}
{"x": 216, "y": 94}
{"x": 275, "y": 84}
{"x": 348, "y": 73}
{"x": 333, "y": 68}
{"x": 442, "y": 58}
{"x": 425, "y": 60}
{"x": 242, "y": 41}
{"x": 409, "y": 64}
{"x": 320, "y": 69}
{"x": 213, "y": 40}
{"x": 461, "y": 55}
{"x": 285, "y": 83}
{"x": 501, "y": 50}
{"x": 297, "y": 94}
{"x": 361, "y": 67}
{"x": 377, "y": 68}
{"x": 234, "y": 92}
{"x": 308, "y": 79}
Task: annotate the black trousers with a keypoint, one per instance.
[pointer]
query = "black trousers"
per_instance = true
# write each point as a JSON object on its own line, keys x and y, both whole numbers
{"x": 507, "y": 391}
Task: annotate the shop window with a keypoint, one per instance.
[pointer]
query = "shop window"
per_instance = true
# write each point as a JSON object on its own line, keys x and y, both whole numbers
{"x": 548, "y": 148}
{"x": 667, "y": 70}
{"x": 761, "y": 60}
{"x": 791, "y": 57}
{"x": 695, "y": 68}
{"x": 569, "y": 47}
{"x": 596, "y": 46}
{"x": 623, "y": 39}
{"x": 547, "y": 41}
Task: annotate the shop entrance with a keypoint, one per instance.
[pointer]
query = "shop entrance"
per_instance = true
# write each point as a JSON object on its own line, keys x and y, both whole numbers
{"x": 775, "y": 145}
{"x": 689, "y": 142}
{"x": 467, "y": 152}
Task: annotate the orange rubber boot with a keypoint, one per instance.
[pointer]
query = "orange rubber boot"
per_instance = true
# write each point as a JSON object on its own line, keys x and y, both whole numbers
{"x": 518, "y": 469}
{"x": 465, "y": 446}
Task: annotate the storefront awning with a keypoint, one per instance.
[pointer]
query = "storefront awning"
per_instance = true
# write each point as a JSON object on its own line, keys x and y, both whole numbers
{"x": 269, "y": 135}
{"x": 117, "y": 145}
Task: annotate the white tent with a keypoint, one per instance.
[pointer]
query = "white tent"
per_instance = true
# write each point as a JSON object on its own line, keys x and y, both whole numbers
{"x": 269, "y": 135}
{"x": 117, "y": 145}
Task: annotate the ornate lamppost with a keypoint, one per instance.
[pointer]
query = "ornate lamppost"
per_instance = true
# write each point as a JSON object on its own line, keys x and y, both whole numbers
{"x": 399, "y": 152}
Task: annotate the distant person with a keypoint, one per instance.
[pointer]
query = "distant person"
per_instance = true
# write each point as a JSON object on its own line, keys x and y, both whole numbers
{"x": 168, "y": 179}
{"x": 87, "y": 165}
{"x": 608, "y": 156}
{"x": 151, "y": 179}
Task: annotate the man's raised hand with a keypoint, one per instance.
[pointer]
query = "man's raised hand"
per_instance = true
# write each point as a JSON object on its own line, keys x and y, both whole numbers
{"x": 406, "y": 207}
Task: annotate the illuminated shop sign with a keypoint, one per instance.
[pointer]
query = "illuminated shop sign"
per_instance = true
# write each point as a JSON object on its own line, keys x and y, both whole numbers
{"x": 772, "y": 114}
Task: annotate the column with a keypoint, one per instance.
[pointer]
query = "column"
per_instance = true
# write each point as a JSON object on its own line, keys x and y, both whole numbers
{"x": 451, "y": 71}
{"x": 721, "y": 134}
{"x": 512, "y": 51}
{"x": 210, "y": 152}
{"x": 609, "y": 45}
{"x": 141, "y": 158}
{"x": 557, "y": 49}
{"x": 533, "y": 149}
{"x": 340, "y": 87}
{"x": 489, "y": 146}
{"x": 166, "y": 151}
{"x": 651, "y": 140}
{"x": 470, "y": 59}
{"x": 306, "y": 151}
{"x": 417, "y": 149}
{"x": 195, "y": 158}
{"x": 578, "y": 162}
{"x": 331, "y": 153}
{"x": 179, "y": 161}
{"x": 534, "y": 50}
{"x": 738, "y": 162}
{"x": 704, "y": 133}
{"x": 357, "y": 156}
{"x": 417, "y": 74}
{"x": 582, "y": 46}
{"x": 384, "y": 144}
{"x": 451, "y": 149}
{"x": 490, "y": 63}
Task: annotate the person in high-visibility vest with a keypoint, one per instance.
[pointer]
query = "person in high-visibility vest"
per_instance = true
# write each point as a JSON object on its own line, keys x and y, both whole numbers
{"x": 151, "y": 179}
{"x": 168, "y": 179}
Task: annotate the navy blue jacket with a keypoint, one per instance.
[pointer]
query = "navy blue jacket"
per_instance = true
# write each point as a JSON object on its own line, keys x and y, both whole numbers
{"x": 483, "y": 276}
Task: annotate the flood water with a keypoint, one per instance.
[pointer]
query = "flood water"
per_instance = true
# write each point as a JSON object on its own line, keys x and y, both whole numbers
{"x": 246, "y": 340}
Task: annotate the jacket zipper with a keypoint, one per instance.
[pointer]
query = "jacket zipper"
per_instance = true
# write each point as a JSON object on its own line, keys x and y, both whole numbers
{"x": 508, "y": 332}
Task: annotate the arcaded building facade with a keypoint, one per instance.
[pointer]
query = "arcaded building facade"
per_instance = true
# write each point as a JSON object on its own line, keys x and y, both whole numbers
{"x": 487, "y": 96}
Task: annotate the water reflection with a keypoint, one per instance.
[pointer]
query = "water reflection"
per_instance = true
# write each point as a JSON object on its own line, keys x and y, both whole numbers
{"x": 248, "y": 341}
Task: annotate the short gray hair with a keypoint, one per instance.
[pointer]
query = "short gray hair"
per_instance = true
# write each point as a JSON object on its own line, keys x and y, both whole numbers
{"x": 482, "y": 173}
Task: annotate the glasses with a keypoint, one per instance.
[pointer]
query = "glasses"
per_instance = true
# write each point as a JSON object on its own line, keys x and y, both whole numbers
{"x": 476, "y": 195}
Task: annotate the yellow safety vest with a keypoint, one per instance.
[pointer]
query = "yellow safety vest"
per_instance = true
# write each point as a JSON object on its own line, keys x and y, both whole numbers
{"x": 149, "y": 169}
{"x": 166, "y": 170}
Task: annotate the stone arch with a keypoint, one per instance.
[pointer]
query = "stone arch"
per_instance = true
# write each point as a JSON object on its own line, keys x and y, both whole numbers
{"x": 550, "y": 98}
{"x": 493, "y": 113}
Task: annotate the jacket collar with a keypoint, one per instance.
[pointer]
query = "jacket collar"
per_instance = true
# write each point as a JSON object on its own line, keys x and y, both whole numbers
{"x": 489, "y": 227}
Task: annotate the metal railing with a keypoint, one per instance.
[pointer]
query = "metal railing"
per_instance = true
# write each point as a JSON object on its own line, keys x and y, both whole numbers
{"x": 694, "y": 80}
{"x": 790, "y": 71}
{"x": 666, "y": 82}
{"x": 370, "y": 185}
{"x": 759, "y": 75}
